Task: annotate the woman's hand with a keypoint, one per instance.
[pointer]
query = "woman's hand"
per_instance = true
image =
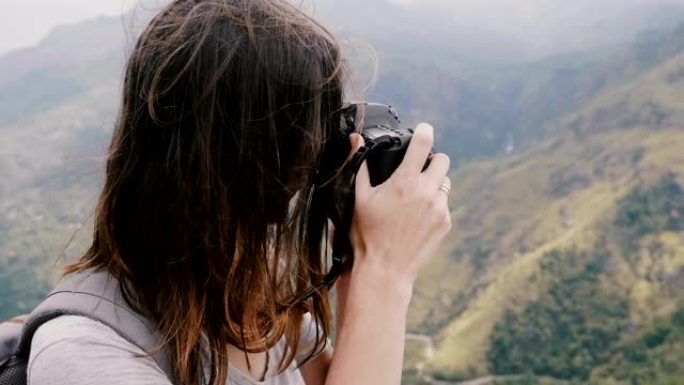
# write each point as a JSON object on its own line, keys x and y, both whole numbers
{"x": 399, "y": 224}
{"x": 396, "y": 228}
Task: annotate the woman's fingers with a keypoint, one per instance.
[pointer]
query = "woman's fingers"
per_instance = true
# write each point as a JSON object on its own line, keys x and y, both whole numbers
{"x": 363, "y": 184}
{"x": 437, "y": 170}
{"x": 362, "y": 176}
{"x": 356, "y": 143}
{"x": 418, "y": 151}
{"x": 443, "y": 215}
{"x": 444, "y": 191}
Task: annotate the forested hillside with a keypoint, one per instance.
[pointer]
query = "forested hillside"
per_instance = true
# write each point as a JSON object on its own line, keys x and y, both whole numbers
{"x": 568, "y": 261}
{"x": 57, "y": 106}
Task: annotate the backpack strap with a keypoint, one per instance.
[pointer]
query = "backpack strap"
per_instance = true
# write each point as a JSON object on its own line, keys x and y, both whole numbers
{"x": 10, "y": 333}
{"x": 96, "y": 295}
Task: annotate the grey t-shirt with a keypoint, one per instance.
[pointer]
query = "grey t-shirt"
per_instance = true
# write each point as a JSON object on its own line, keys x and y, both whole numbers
{"x": 74, "y": 350}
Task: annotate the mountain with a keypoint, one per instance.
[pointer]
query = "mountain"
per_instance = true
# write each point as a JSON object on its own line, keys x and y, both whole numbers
{"x": 541, "y": 235}
{"x": 57, "y": 105}
{"x": 568, "y": 259}
{"x": 502, "y": 108}
{"x": 653, "y": 99}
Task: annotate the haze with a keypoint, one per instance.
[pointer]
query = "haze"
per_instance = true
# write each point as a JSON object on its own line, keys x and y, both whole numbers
{"x": 541, "y": 24}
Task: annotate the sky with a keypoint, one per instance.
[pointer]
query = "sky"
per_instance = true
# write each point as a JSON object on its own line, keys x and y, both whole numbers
{"x": 24, "y": 22}
{"x": 534, "y": 13}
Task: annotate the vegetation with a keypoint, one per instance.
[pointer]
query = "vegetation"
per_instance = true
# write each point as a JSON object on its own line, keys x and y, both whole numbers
{"x": 653, "y": 356}
{"x": 568, "y": 331}
{"x": 650, "y": 210}
{"x": 579, "y": 324}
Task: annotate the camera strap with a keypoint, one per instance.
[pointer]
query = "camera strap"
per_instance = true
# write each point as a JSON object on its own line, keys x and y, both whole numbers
{"x": 342, "y": 220}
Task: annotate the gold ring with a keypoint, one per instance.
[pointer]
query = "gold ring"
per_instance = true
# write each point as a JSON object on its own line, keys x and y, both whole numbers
{"x": 445, "y": 188}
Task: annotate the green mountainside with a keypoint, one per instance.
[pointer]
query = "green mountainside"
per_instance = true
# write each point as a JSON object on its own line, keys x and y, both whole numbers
{"x": 566, "y": 262}
{"x": 57, "y": 106}
{"x": 590, "y": 231}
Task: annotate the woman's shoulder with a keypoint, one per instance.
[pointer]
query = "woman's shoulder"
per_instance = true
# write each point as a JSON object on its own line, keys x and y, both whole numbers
{"x": 78, "y": 350}
{"x": 71, "y": 327}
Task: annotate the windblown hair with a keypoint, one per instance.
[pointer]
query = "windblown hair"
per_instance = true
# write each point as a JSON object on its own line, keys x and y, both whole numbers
{"x": 203, "y": 218}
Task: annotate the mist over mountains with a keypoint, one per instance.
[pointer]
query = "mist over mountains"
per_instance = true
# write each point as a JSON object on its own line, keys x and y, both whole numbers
{"x": 500, "y": 30}
{"x": 566, "y": 261}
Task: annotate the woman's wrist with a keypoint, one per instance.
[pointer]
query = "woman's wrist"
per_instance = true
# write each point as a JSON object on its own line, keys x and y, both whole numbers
{"x": 375, "y": 280}
{"x": 369, "y": 344}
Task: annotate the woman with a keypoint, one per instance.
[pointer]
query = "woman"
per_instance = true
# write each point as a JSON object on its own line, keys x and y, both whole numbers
{"x": 204, "y": 221}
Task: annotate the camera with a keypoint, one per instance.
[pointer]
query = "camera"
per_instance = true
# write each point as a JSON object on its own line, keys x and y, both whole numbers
{"x": 385, "y": 141}
{"x": 385, "y": 144}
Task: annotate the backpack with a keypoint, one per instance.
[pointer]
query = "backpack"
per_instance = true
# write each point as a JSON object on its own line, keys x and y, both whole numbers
{"x": 92, "y": 294}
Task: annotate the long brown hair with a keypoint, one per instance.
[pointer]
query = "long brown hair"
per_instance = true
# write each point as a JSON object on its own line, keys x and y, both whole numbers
{"x": 203, "y": 217}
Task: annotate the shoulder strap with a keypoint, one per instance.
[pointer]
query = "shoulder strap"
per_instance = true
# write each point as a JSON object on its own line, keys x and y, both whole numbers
{"x": 10, "y": 333}
{"x": 96, "y": 295}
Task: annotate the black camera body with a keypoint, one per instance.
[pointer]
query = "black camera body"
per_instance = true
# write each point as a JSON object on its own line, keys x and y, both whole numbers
{"x": 386, "y": 141}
